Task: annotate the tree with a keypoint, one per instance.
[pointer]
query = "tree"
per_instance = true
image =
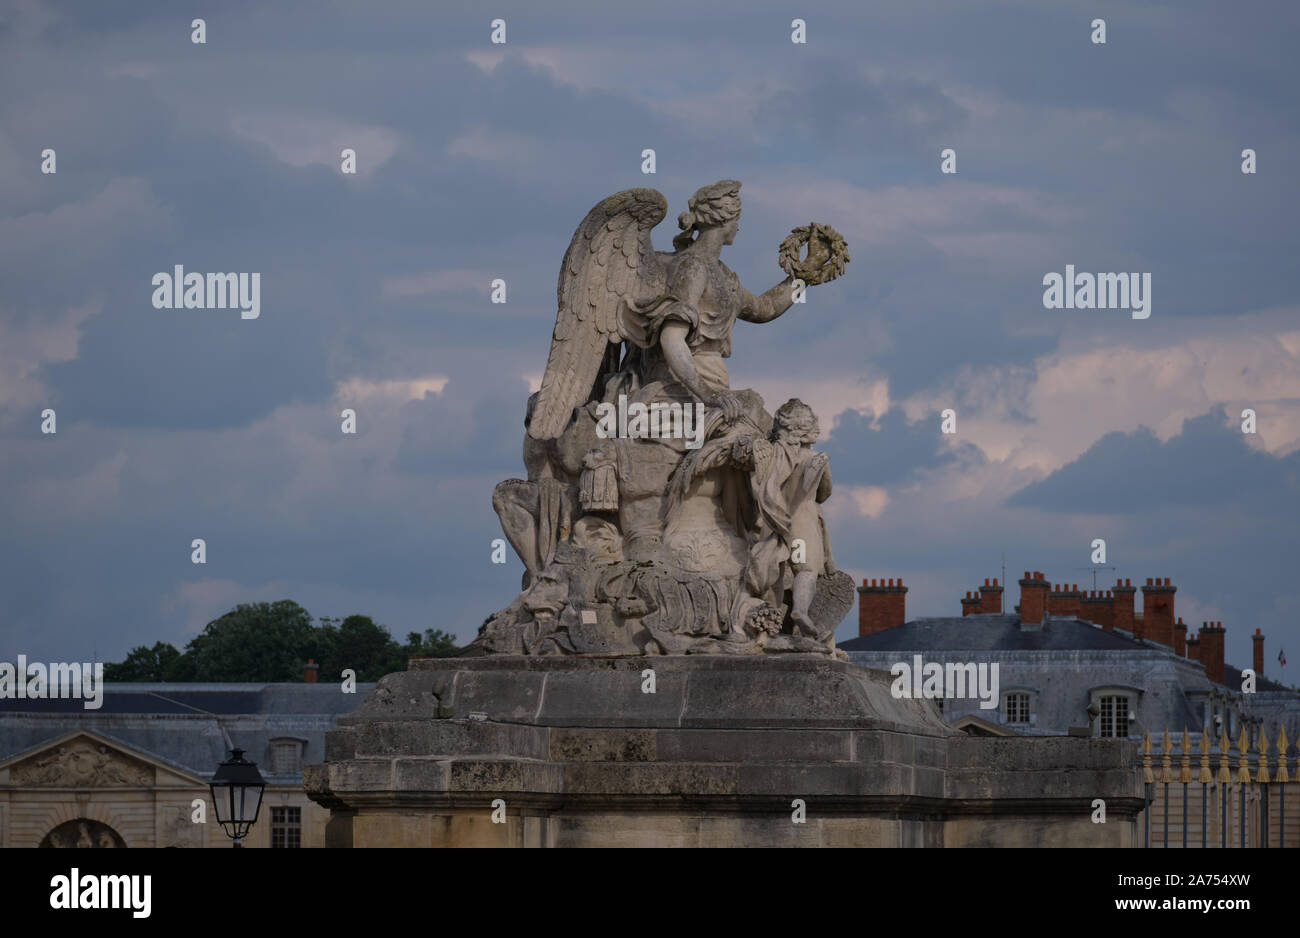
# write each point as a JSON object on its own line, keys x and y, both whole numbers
{"x": 359, "y": 644}
{"x": 255, "y": 642}
{"x": 154, "y": 665}
{"x": 435, "y": 643}
{"x": 272, "y": 642}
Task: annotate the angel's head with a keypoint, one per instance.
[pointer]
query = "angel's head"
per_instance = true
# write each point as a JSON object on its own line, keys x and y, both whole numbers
{"x": 795, "y": 422}
{"x": 715, "y": 206}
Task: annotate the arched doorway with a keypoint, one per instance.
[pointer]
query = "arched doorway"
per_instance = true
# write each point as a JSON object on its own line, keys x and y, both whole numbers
{"x": 83, "y": 832}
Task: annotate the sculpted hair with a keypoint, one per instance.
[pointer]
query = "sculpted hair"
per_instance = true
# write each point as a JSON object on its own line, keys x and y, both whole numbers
{"x": 710, "y": 206}
{"x": 796, "y": 422}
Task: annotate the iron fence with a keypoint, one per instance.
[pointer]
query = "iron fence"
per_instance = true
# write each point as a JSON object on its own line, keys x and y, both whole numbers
{"x": 1201, "y": 795}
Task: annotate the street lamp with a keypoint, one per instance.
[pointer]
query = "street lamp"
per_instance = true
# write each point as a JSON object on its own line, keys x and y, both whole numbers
{"x": 237, "y": 795}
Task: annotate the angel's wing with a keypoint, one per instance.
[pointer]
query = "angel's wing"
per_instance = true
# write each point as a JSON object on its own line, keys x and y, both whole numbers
{"x": 610, "y": 260}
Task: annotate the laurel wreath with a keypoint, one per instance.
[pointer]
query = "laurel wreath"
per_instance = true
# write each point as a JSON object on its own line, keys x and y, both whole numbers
{"x": 827, "y": 254}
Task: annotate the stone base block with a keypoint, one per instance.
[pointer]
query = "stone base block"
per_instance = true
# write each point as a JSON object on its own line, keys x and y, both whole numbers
{"x": 697, "y": 751}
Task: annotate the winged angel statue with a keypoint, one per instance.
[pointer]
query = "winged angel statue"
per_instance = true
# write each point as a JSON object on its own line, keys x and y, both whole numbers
{"x": 664, "y": 512}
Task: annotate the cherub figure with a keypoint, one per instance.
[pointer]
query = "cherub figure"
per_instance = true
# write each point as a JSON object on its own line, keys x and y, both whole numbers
{"x": 789, "y": 481}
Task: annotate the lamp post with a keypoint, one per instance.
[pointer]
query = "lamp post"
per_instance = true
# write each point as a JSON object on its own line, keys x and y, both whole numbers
{"x": 237, "y": 795}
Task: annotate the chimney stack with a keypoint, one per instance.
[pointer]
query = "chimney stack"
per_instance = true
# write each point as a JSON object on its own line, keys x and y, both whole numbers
{"x": 1257, "y": 640}
{"x": 1212, "y": 650}
{"x": 1123, "y": 609}
{"x": 1033, "y": 598}
{"x": 309, "y": 671}
{"x": 1158, "y": 611}
{"x": 880, "y": 606}
{"x": 990, "y": 597}
{"x": 1193, "y": 647}
{"x": 1180, "y": 638}
{"x": 1064, "y": 600}
{"x": 1098, "y": 607}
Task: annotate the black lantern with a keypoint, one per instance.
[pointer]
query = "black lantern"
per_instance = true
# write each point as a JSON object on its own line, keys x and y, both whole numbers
{"x": 237, "y": 795}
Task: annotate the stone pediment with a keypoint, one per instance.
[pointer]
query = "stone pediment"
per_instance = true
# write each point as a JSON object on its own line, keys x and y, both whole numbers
{"x": 81, "y": 760}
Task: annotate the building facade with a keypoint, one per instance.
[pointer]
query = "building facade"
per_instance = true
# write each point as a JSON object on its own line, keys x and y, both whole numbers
{"x": 1063, "y": 651}
{"x": 135, "y": 772}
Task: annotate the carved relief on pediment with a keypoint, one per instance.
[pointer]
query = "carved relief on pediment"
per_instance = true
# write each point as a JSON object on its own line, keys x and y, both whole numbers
{"x": 81, "y": 763}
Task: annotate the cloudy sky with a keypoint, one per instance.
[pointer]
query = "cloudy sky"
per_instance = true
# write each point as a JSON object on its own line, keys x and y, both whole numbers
{"x": 477, "y": 161}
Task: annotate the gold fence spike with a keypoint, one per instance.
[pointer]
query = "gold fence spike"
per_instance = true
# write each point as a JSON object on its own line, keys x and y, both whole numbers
{"x": 1243, "y": 768}
{"x": 1166, "y": 775}
{"x": 1261, "y": 743}
{"x": 1206, "y": 777}
{"x": 1282, "y": 774}
{"x": 1224, "y": 777}
{"x": 1185, "y": 774}
{"x": 1146, "y": 759}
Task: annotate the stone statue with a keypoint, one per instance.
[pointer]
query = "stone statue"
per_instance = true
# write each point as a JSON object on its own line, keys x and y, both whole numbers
{"x": 665, "y": 512}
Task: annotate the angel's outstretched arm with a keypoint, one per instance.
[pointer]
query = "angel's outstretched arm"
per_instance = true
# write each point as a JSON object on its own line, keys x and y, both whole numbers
{"x": 767, "y": 306}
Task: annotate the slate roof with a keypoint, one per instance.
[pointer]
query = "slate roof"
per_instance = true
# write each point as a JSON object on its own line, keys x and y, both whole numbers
{"x": 1002, "y": 632}
{"x": 994, "y": 632}
{"x": 211, "y": 698}
{"x": 168, "y": 721}
{"x": 1232, "y": 678}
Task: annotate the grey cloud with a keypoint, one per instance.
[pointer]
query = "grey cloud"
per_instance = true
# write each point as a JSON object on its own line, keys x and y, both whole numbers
{"x": 1207, "y": 465}
{"x": 893, "y": 452}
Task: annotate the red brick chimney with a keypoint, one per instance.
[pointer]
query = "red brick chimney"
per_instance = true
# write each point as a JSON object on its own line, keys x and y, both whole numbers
{"x": 1123, "y": 610}
{"x": 1097, "y": 607}
{"x": 1193, "y": 647}
{"x": 880, "y": 606}
{"x": 1033, "y": 598}
{"x": 309, "y": 671}
{"x": 1064, "y": 600}
{"x": 970, "y": 604}
{"x": 990, "y": 597}
{"x": 1212, "y": 650}
{"x": 1257, "y": 642}
{"x": 1180, "y": 638}
{"x": 1158, "y": 611}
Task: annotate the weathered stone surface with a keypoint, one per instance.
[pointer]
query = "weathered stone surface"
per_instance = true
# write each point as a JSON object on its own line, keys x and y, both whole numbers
{"x": 603, "y": 745}
{"x": 718, "y": 756}
{"x": 665, "y": 513}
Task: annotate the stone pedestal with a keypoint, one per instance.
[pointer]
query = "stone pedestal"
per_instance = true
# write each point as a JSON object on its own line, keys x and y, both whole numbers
{"x": 575, "y": 752}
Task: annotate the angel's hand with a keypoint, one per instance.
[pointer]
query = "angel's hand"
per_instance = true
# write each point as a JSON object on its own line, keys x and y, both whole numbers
{"x": 730, "y": 405}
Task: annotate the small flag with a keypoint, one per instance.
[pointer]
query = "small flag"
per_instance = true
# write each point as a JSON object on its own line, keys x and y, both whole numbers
{"x": 1281, "y": 657}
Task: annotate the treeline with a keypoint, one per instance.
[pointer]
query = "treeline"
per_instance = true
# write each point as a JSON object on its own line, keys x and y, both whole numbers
{"x": 273, "y": 641}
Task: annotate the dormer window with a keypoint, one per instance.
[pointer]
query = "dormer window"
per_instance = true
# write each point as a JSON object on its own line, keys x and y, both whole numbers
{"x": 1016, "y": 708}
{"x": 286, "y": 756}
{"x": 1117, "y": 707}
{"x": 1114, "y": 716}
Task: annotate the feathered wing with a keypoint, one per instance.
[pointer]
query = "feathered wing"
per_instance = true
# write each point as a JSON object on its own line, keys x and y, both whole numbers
{"x": 610, "y": 260}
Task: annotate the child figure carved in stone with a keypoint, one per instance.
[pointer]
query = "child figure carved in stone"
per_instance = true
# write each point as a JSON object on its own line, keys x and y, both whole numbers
{"x": 790, "y": 481}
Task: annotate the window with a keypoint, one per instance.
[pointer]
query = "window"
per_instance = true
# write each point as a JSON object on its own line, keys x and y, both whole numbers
{"x": 1114, "y": 716}
{"x": 1017, "y": 708}
{"x": 286, "y": 827}
{"x": 286, "y": 756}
